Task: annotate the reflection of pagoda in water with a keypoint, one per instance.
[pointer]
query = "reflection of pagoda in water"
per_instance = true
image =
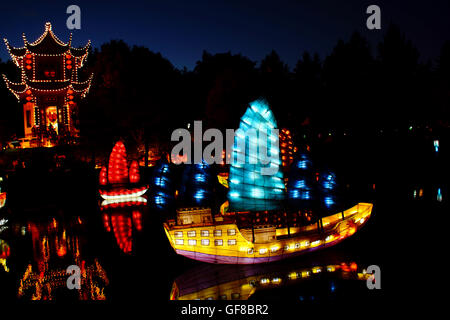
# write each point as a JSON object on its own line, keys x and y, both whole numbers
{"x": 49, "y": 88}
{"x": 56, "y": 247}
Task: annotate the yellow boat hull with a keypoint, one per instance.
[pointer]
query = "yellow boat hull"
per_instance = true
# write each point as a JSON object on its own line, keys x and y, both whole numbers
{"x": 224, "y": 243}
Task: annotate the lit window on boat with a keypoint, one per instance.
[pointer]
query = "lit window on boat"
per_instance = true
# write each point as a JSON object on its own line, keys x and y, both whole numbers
{"x": 191, "y": 233}
{"x": 179, "y": 242}
{"x": 317, "y": 269}
{"x": 286, "y": 247}
{"x": 218, "y": 242}
{"x": 231, "y": 232}
{"x": 235, "y": 296}
{"x": 178, "y": 234}
{"x": 205, "y": 233}
{"x": 293, "y": 275}
{"x": 274, "y": 249}
{"x": 232, "y": 242}
{"x": 192, "y": 242}
{"x": 305, "y": 243}
{"x": 264, "y": 281}
{"x": 250, "y": 251}
{"x": 223, "y": 297}
{"x": 205, "y": 242}
{"x": 217, "y": 233}
{"x": 209, "y": 298}
{"x": 276, "y": 280}
{"x": 315, "y": 243}
{"x": 297, "y": 245}
{"x": 331, "y": 268}
{"x": 263, "y": 251}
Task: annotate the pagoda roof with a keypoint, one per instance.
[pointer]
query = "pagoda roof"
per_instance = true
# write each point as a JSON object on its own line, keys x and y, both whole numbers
{"x": 79, "y": 88}
{"x": 16, "y": 88}
{"x": 47, "y": 44}
{"x": 17, "y": 52}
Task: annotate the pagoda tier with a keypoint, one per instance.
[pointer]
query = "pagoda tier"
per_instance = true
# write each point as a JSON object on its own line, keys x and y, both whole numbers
{"x": 48, "y": 44}
{"x": 80, "y": 89}
{"x": 49, "y": 88}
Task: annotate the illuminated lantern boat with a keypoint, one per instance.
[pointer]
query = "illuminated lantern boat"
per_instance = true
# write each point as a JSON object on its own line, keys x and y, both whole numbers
{"x": 118, "y": 181}
{"x": 257, "y": 228}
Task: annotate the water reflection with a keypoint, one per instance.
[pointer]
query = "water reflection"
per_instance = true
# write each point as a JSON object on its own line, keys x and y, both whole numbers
{"x": 432, "y": 193}
{"x": 120, "y": 215}
{"x": 241, "y": 282}
{"x": 5, "y": 252}
{"x": 56, "y": 245}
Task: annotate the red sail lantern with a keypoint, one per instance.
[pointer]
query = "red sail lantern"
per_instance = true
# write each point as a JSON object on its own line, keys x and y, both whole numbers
{"x": 117, "y": 167}
{"x": 134, "y": 172}
{"x": 103, "y": 176}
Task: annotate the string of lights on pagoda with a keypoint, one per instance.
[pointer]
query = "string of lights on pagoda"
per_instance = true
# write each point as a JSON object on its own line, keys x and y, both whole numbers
{"x": 49, "y": 72}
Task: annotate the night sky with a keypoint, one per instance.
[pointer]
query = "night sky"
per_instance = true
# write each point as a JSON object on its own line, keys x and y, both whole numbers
{"x": 181, "y": 30}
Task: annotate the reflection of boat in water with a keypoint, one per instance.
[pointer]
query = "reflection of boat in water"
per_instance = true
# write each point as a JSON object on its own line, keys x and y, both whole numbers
{"x": 233, "y": 282}
{"x": 119, "y": 181}
{"x": 120, "y": 215}
{"x": 57, "y": 245}
{"x": 259, "y": 228}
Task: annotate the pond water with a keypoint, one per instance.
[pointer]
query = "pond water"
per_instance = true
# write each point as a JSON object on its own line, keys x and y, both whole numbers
{"x": 124, "y": 254}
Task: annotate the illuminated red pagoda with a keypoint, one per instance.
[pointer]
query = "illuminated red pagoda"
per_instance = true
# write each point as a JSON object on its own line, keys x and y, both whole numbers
{"x": 49, "y": 88}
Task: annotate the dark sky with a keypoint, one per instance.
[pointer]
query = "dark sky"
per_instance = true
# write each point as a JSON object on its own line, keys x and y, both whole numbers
{"x": 181, "y": 30}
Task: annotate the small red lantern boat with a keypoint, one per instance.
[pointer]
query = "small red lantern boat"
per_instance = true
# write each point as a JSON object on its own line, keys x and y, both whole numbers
{"x": 118, "y": 181}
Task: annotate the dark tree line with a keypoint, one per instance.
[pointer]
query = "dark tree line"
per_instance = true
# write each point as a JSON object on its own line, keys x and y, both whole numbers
{"x": 139, "y": 94}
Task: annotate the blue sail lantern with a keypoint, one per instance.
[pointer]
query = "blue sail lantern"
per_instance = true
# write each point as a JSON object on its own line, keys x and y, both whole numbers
{"x": 196, "y": 184}
{"x": 328, "y": 190}
{"x": 161, "y": 191}
{"x": 256, "y": 181}
{"x": 301, "y": 184}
